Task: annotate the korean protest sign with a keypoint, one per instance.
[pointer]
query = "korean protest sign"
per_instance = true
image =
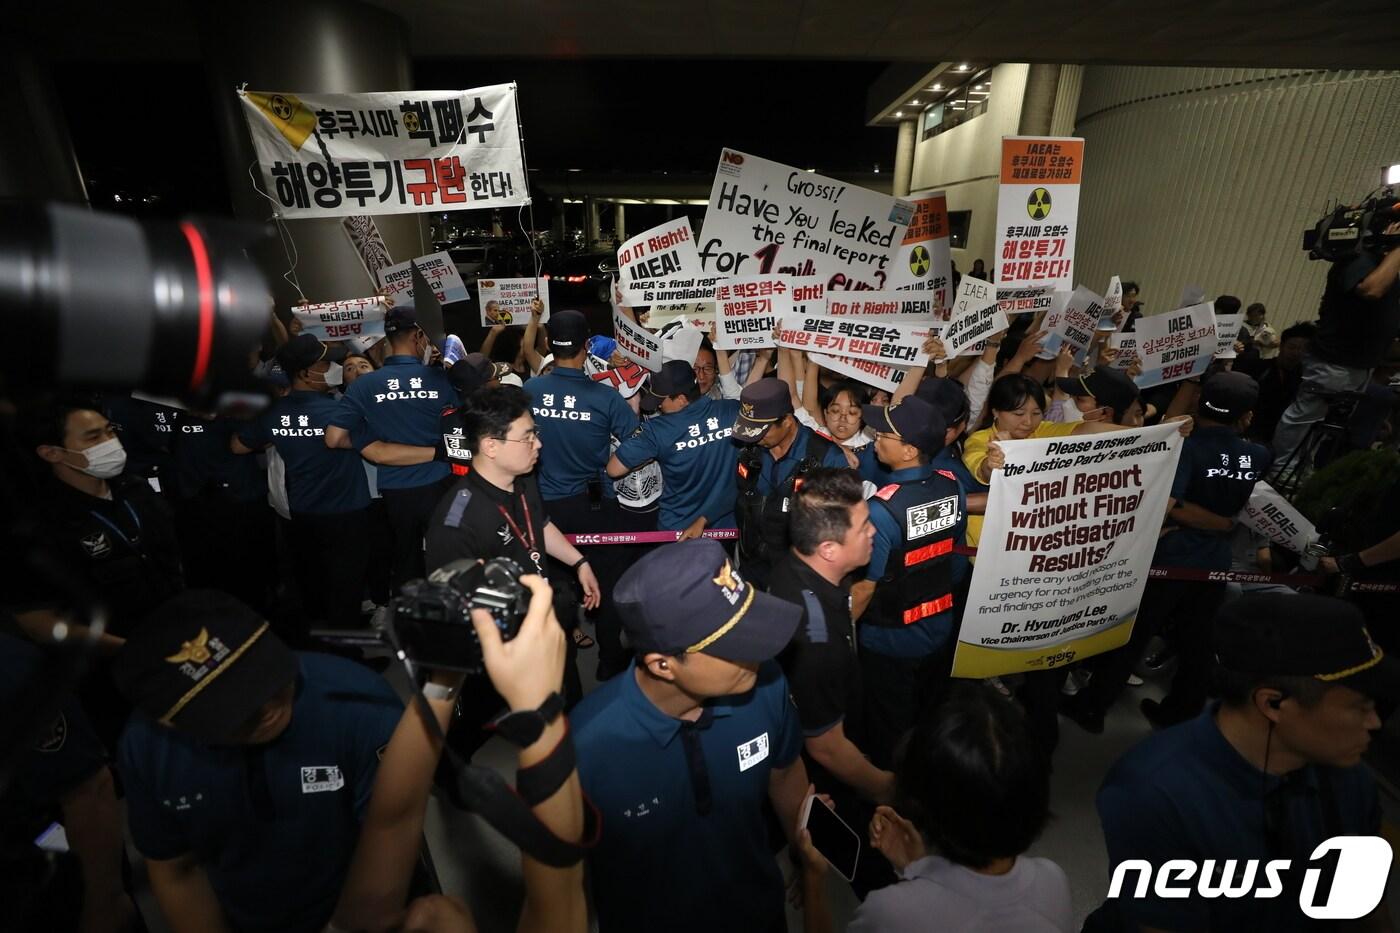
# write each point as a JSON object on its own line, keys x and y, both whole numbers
{"x": 768, "y": 217}
{"x": 1073, "y": 322}
{"x": 635, "y": 342}
{"x": 509, "y": 301}
{"x": 1126, "y": 345}
{"x": 746, "y": 307}
{"x": 921, "y": 304}
{"x": 1112, "y": 304}
{"x": 368, "y": 242}
{"x": 1274, "y": 517}
{"x": 860, "y": 338}
{"x": 1227, "y": 331}
{"x": 438, "y": 270}
{"x": 880, "y": 375}
{"x": 392, "y": 152}
{"x": 924, "y": 259}
{"x": 1072, "y": 522}
{"x": 1176, "y": 345}
{"x": 1038, "y": 212}
{"x": 1025, "y": 300}
{"x": 343, "y": 320}
{"x": 661, "y": 266}
{"x": 976, "y": 316}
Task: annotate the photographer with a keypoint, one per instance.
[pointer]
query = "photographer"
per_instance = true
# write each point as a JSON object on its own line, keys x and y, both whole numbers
{"x": 527, "y": 671}
{"x": 1357, "y": 320}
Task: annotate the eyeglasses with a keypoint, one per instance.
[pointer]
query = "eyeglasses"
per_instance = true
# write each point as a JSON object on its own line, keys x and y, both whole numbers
{"x": 893, "y": 437}
{"x": 532, "y": 436}
{"x": 705, "y": 370}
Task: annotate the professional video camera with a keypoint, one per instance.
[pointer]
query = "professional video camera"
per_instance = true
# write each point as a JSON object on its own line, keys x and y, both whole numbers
{"x": 1349, "y": 231}
{"x": 430, "y": 620}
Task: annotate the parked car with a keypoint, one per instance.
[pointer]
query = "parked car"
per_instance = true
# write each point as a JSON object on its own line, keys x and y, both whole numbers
{"x": 585, "y": 277}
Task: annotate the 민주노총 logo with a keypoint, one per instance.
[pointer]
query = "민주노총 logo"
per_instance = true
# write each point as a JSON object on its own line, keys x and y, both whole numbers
{"x": 1343, "y": 879}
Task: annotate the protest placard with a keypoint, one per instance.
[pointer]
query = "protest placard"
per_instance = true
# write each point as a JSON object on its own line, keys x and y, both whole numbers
{"x": 368, "y": 242}
{"x": 1112, "y": 304}
{"x": 1126, "y": 345}
{"x": 921, "y": 305}
{"x": 1073, "y": 322}
{"x": 509, "y": 301}
{"x": 976, "y": 316}
{"x": 768, "y": 217}
{"x": 634, "y": 342}
{"x": 343, "y": 320}
{"x": 662, "y": 266}
{"x": 880, "y": 375}
{"x": 1176, "y": 345}
{"x": 1037, "y": 213}
{"x": 393, "y": 152}
{"x": 1072, "y": 524}
{"x": 924, "y": 259}
{"x": 1227, "y": 331}
{"x": 856, "y": 337}
{"x": 746, "y": 307}
{"x": 698, "y": 314}
{"x": 1271, "y": 515}
{"x": 438, "y": 270}
{"x": 680, "y": 341}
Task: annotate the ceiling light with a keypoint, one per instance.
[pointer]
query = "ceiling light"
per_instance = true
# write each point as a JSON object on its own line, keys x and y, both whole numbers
{"x": 914, "y": 103}
{"x": 936, "y": 87}
{"x": 1392, "y": 175}
{"x": 962, "y": 67}
{"x": 898, "y": 114}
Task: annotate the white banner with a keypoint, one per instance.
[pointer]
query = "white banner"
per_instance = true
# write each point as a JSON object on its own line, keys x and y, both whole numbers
{"x": 510, "y": 301}
{"x": 1176, "y": 345}
{"x": 924, "y": 260}
{"x": 976, "y": 316}
{"x": 768, "y": 217}
{"x": 1073, "y": 322}
{"x": 920, "y": 304}
{"x": 857, "y": 337}
{"x": 746, "y": 308}
{"x": 343, "y": 320}
{"x": 392, "y": 152}
{"x": 437, "y": 268}
{"x": 1271, "y": 515}
{"x": 880, "y": 375}
{"x": 1069, "y": 533}
{"x": 662, "y": 266}
{"x": 1112, "y": 304}
{"x": 634, "y": 342}
{"x": 1038, "y": 212}
{"x": 698, "y": 314}
{"x": 1227, "y": 331}
{"x": 1025, "y": 300}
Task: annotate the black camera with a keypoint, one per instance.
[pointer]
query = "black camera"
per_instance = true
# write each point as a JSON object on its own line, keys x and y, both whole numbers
{"x": 1349, "y": 231}
{"x": 431, "y": 619}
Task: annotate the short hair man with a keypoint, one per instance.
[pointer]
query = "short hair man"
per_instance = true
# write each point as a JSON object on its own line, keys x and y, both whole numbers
{"x": 1269, "y": 772}
{"x": 681, "y": 752}
{"x": 1104, "y": 395}
{"x": 247, "y": 767}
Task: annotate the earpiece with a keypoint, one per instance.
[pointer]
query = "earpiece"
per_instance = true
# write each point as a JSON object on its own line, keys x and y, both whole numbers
{"x": 1277, "y": 701}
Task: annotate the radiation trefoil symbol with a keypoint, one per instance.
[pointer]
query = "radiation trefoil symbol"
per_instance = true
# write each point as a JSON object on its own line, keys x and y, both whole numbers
{"x": 1038, "y": 204}
{"x": 919, "y": 261}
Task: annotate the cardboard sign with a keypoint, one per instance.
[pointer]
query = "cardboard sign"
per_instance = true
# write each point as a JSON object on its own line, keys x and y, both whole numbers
{"x": 1112, "y": 304}
{"x": 1274, "y": 517}
{"x": 1126, "y": 345}
{"x": 924, "y": 260}
{"x": 392, "y": 152}
{"x": 343, "y": 320}
{"x": 880, "y": 375}
{"x": 976, "y": 316}
{"x": 1038, "y": 212}
{"x": 634, "y": 341}
{"x": 1073, "y": 323}
{"x": 662, "y": 266}
{"x": 766, "y": 217}
{"x": 746, "y": 307}
{"x": 1176, "y": 345}
{"x": 1071, "y": 526}
{"x": 509, "y": 301}
{"x": 1227, "y": 331}
{"x": 438, "y": 270}
{"x": 857, "y": 337}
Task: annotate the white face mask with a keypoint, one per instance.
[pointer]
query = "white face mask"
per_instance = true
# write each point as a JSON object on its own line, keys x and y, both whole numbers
{"x": 428, "y": 353}
{"x": 335, "y": 375}
{"x": 104, "y": 460}
{"x": 1069, "y": 411}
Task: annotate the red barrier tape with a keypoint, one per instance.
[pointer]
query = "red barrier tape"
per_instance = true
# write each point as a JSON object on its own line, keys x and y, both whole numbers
{"x": 649, "y": 537}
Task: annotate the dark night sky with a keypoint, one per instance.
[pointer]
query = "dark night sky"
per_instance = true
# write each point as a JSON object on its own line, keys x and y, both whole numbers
{"x": 598, "y": 115}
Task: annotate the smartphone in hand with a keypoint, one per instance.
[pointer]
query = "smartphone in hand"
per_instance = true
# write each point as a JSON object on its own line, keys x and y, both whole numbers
{"x": 837, "y": 842}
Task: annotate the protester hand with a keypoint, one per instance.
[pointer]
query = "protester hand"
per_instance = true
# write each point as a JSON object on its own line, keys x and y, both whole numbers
{"x": 996, "y": 457}
{"x": 529, "y": 667}
{"x": 1134, "y": 368}
{"x": 694, "y": 531}
{"x": 536, "y": 308}
{"x": 852, "y": 461}
{"x": 1239, "y": 346}
{"x": 1184, "y": 423}
{"x": 813, "y": 862}
{"x": 933, "y": 346}
{"x": 438, "y": 913}
{"x": 617, "y": 360}
{"x": 1064, "y": 361}
{"x": 497, "y": 329}
{"x": 592, "y": 592}
{"x": 1031, "y": 344}
{"x": 895, "y": 838}
{"x": 1107, "y": 354}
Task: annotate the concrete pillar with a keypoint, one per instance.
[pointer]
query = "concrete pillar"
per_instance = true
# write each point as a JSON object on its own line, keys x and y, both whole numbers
{"x": 338, "y": 46}
{"x": 37, "y": 161}
{"x": 903, "y": 158}
{"x": 1038, "y": 102}
{"x": 592, "y": 229}
{"x": 620, "y": 222}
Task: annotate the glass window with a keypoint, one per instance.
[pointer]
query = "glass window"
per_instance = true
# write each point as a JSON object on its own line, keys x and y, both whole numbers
{"x": 959, "y": 104}
{"x": 959, "y": 223}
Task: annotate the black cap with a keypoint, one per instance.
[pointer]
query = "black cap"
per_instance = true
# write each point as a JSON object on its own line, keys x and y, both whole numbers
{"x": 568, "y": 332}
{"x": 1307, "y": 635}
{"x": 399, "y": 319}
{"x": 303, "y": 351}
{"x": 1109, "y": 387}
{"x": 471, "y": 372}
{"x": 687, "y": 597}
{"x": 762, "y": 404}
{"x": 1228, "y": 396}
{"x": 204, "y": 663}
{"x": 677, "y": 377}
{"x": 913, "y": 420}
{"x": 947, "y": 396}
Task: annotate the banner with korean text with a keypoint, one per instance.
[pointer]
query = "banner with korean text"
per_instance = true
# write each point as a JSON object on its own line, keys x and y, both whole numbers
{"x": 1070, "y": 529}
{"x": 392, "y": 152}
{"x": 1073, "y": 322}
{"x": 510, "y": 301}
{"x": 438, "y": 270}
{"x": 635, "y": 342}
{"x": 768, "y": 217}
{"x": 1176, "y": 345}
{"x": 1272, "y": 516}
{"x": 1037, "y": 213}
{"x": 924, "y": 260}
{"x": 859, "y": 338}
{"x": 976, "y": 316}
{"x": 343, "y": 320}
{"x": 746, "y": 307}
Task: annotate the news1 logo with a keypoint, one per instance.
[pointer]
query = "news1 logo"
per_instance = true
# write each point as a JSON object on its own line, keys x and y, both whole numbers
{"x": 1344, "y": 878}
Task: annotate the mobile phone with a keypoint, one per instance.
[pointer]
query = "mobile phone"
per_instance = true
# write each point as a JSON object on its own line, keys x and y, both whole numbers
{"x": 837, "y": 842}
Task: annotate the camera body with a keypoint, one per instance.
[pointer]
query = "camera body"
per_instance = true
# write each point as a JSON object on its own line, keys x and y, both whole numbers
{"x": 1349, "y": 231}
{"x": 431, "y": 619}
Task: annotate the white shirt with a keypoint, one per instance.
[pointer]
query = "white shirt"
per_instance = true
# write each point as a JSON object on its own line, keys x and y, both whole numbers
{"x": 1033, "y": 897}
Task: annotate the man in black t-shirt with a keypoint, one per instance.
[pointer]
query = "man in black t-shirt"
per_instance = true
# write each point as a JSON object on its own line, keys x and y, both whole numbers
{"x": 1358, "y": 319}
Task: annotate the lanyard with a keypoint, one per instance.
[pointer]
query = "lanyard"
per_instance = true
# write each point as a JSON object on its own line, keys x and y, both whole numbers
{"x": 527, "y": 539}
{"x": 112, "y": 526}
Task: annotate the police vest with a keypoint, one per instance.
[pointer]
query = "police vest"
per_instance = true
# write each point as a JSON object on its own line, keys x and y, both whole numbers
{"x": 918, "y": 580}
{"x": 454, "y": 440}
{"x": 763, "y": 520}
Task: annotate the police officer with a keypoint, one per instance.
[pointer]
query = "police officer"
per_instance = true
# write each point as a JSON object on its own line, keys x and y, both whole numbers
{"x": 577, "y": 418}
{"x": 473, "y": 371}
{"x": 690, "y": 437}
{"x": 906, "y": 622}
{"x": 778, "y": 452}
{"x": 402, "y": 404}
